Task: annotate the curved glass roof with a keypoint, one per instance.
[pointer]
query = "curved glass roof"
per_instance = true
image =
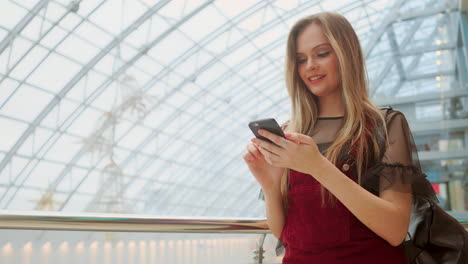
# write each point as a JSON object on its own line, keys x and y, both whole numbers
{"x": 142, "y": 106}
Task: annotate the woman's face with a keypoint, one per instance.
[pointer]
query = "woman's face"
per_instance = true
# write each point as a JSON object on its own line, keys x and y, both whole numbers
{"x": 317, "y": 63}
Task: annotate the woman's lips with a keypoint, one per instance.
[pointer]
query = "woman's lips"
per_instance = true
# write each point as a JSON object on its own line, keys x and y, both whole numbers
{"x": 316, "y": 79}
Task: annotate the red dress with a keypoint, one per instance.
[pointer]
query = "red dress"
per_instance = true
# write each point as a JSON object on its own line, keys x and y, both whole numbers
{"x": 329, "y": 235}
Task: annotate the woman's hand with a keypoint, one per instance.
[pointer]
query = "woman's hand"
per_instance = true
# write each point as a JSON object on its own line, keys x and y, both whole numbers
{"x": 268, "y": 176}
{"x": 297, "y": 151}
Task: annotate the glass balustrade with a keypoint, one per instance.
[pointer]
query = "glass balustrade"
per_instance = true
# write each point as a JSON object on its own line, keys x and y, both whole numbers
{"x": 56, "y": 238}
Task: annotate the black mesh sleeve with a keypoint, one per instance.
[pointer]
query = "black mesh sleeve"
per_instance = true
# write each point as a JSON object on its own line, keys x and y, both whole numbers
{"x": 399, "y": 164}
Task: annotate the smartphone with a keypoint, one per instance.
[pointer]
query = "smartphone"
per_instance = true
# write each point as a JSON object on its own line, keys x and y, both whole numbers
{"x": 268, "y": 124}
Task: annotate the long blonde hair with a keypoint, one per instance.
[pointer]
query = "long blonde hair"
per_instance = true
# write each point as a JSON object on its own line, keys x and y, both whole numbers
{"x": 360, "y": 114}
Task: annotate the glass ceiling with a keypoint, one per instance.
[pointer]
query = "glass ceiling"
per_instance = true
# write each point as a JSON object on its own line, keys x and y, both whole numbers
{"x": 142, "y": 106}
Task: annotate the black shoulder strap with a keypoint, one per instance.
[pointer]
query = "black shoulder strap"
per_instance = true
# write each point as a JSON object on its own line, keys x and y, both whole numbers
{"x": 386, "y": 110}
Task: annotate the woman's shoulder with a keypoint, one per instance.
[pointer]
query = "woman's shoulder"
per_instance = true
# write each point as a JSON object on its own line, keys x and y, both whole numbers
{"x": 391, "y": 114}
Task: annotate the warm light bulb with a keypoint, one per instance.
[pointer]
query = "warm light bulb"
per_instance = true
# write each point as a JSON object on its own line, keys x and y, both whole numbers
{"x": 107, "y": 245}
{"x": 131, "y": 244}
{"x": 80, "y": 247}
{"x": 7, "y": 249}
{"x": 46, "y": 248}
{"x": 94, "y": 245}
{"x": 152, "y": 243}
{"x": 64, "y": 247}
{"x": 120, "y": 245}
{"x": 27, "y": 247}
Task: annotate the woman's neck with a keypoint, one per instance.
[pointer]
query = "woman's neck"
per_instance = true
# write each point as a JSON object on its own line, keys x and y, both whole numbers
{"x": 331, "y": 106}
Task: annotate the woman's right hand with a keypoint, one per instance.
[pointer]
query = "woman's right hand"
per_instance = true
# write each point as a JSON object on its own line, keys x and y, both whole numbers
{"x": 267, "y": 175}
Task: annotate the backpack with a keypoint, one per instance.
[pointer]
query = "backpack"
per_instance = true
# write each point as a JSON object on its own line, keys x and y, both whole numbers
{"x": 435, "y": 237}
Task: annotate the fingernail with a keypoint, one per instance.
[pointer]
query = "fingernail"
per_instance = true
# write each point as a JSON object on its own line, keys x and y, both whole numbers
{"x": 260, "y": 132}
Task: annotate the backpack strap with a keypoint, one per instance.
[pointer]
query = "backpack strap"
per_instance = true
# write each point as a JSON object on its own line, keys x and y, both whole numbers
{"x": 386, "y": 110}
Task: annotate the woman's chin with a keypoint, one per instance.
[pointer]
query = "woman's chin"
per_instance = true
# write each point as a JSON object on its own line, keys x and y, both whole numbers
{"x": 318, "y": 92}
{"x": 321, "y": 91}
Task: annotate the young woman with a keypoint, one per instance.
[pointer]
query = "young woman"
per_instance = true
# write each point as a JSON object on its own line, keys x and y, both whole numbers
{"x": 339, "y": 188}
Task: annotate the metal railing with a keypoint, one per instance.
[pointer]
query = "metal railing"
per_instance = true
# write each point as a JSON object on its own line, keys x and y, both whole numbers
{"x": 59, "y": 221}
{"x": 96, "y": 222}
{"x": 40, "y": 220}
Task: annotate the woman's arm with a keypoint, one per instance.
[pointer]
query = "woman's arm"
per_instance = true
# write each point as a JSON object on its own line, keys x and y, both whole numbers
{"x": 274, "y": 210}
{"x": 269, "y": 178}
{"x": 388, "y": 215}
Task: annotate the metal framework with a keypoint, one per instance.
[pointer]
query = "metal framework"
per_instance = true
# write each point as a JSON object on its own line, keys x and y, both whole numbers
{"x": 229, "y": 73}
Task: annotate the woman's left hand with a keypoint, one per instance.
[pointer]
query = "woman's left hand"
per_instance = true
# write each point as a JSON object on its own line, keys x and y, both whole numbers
{"x": 297, "y": 151}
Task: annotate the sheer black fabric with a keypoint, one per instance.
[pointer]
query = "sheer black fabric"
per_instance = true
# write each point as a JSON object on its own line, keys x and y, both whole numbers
{"x": 398, "y": 166}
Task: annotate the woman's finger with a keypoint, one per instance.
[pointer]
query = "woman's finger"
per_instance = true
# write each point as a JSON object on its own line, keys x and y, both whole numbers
{"x": 252, "y": 149}
{"x": 267, "y": 154}
{"x": 247, "y": 156}
{"x": 279, "y": 141}
{"x": 300, "y": 138}
{"x": 267, "y": 145}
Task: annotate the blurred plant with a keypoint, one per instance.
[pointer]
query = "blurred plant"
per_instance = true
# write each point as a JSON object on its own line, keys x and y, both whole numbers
{"x": 47, "y": 202}
{"x": 111, "y": 196}
{"x": 101, "y": 142}
{"x": 134, "y": 98}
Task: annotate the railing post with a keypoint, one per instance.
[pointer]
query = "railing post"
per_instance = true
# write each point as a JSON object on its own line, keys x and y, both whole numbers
{"x": 258, "y": 257}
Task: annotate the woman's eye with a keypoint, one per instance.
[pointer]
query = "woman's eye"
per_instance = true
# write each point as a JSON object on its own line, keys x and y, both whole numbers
{"x": 323, "y": 53}
{"x": 301, "y": 60}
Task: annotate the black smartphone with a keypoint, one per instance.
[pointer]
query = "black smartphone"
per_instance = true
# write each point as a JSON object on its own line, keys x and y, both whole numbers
{"x": 268, "y": 124}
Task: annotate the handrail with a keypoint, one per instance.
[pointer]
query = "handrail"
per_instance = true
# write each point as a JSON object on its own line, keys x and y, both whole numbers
{"x": 40, "y": 220}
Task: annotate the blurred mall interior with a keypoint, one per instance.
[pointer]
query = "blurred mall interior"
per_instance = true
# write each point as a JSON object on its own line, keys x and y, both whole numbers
{"x": 123, "y": 122}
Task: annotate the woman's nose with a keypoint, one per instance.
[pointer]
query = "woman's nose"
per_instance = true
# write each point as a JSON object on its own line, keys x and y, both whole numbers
{"x": 311, "y": 64}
